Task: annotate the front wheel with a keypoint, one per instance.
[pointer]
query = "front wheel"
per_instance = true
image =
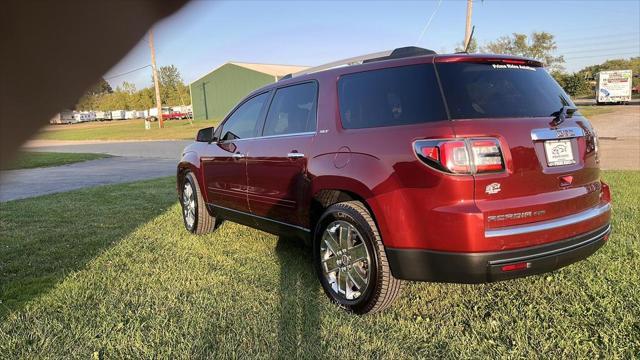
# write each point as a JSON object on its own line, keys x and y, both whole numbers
{"x": 350, "y": 260}
{"x": 197, "y": 219}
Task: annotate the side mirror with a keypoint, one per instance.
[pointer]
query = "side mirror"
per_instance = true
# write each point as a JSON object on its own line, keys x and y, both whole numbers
{"x": 205, "y": 135}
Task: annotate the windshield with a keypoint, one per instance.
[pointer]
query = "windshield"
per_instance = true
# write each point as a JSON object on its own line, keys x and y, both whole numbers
{"x": 486, "y": 90}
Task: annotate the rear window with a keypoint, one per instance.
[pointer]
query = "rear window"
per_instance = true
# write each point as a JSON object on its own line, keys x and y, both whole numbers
{"x": 392, "y": 96}
{"x": 484, "y": 90}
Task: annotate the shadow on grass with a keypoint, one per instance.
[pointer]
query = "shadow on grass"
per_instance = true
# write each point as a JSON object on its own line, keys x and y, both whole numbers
{"x": 299, "y": 324}
{"x": 47, "y": 238}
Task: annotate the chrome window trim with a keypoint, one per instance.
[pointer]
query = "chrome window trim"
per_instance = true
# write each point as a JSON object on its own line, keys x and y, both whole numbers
{"x": 306, "y": 133}
{"x": 591, "y": 239}
{"x": 554, "y": 134}
{"x": 549, "y": 224}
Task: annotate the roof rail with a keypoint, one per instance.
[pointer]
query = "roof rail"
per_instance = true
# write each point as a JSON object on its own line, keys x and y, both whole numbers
{"x": 398, "y": 53}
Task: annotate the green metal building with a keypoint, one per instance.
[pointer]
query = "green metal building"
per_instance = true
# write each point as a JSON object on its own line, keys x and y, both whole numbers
{"x": 216, "y": 93}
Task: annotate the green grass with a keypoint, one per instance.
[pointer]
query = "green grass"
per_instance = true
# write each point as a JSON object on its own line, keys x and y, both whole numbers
{"x": 110, "y": 272}
{"x": 125, "y": 130}
{"x": 29, "y": 160}
{"x": 589, "y": 111}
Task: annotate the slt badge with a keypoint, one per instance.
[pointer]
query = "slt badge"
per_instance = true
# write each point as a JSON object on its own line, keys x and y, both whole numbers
{"x": 493, "y": 188}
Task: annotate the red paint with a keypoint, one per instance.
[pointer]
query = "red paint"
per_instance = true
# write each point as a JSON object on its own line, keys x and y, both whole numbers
{"x": 413, "y": 204}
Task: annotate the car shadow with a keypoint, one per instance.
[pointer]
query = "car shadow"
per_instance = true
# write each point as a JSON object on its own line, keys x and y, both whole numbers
{"x": 44, "y": 239}
{"x": 299, "y": 324}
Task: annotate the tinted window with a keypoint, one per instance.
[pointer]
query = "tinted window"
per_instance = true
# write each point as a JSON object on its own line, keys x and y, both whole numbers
{"x": 242, "y": 123}
{"x": 482, "y": 90}
{"x": 293, "y": 110}
{"x": 392, "y": 96}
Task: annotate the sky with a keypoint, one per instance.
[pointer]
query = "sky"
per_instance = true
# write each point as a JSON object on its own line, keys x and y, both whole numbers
{"x": 206, "y": 34}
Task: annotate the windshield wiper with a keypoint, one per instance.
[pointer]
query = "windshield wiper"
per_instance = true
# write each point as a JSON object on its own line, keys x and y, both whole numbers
{"x": 561, "y": 115}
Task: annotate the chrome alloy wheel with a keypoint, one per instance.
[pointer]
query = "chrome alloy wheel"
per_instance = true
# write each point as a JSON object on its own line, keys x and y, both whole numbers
{"x": 189, "y": 204}
{"x": 346, "y": 262}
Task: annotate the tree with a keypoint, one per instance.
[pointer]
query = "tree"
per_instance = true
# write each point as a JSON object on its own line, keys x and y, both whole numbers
{"x": 101, "y": 87}
{"x": 573, "y": 84}
{"x": 172, "y": 89}
{"x": 473, "y": 47}
{"x": 540, "y": 45}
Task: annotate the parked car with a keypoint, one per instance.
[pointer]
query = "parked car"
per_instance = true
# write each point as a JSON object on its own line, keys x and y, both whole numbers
{"x": 412, "y": 166}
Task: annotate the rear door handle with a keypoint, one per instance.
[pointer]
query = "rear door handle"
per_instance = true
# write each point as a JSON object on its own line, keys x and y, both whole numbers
{"x": 238, "y": 155}
{"x": 295, "y": 155}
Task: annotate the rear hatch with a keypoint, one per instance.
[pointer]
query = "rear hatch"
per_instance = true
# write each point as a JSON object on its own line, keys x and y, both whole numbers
{"x": 549, "y": 153}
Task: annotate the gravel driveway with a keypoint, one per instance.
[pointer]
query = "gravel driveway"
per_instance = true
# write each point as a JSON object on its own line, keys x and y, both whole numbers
{"x": 134, "y": 160}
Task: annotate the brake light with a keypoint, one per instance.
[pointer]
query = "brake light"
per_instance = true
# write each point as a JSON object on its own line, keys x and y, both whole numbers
{"x": 514, "y": 62}
{"x": 462, "y": 156}
{"x": 487, "y": 156}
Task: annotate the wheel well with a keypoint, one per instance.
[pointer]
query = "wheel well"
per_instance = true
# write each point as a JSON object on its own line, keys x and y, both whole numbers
{"x": 182, "y": 173}
{"x": 325, "y": 198}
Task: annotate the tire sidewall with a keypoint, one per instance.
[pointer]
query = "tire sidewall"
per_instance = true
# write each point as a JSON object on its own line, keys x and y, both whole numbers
{"x": 351, "y": 216}
{"x": 189, "y": 179}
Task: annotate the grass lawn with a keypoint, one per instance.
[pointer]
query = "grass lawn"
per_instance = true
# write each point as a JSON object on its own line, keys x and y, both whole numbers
{"x": 32, "y": 159}
{"x": 124, "y": 130}
{"x": 110, "y": 272}
{"x": 589, "y": 111}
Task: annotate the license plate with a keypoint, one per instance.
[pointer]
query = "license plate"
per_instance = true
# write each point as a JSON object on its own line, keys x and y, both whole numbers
{"x": 559, "y": 152}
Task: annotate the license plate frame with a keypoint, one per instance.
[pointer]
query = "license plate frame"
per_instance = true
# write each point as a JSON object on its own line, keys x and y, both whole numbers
{"x": 559, "y": 152}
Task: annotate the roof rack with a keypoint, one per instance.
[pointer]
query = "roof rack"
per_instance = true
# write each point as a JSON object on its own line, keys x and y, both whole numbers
{"x": 398, "y": 53}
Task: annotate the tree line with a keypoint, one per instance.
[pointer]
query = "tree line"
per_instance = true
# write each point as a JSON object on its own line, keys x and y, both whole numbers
{"x": 103, "y": 97}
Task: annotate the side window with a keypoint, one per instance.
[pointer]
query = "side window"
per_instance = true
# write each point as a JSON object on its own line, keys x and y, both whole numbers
{"x": 242, "y": 123}
{"x": 392, "y": 96}
{"x": 293, "y": 110}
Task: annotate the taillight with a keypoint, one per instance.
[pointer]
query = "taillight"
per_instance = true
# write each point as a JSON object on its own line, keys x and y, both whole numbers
{"x": 461, "y": 156}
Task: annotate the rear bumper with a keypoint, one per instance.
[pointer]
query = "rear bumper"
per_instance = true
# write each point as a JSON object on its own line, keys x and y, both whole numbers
{"x": 456, "y": 267}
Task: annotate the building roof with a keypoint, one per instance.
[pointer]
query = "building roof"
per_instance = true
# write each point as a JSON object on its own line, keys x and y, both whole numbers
{"x": 269, "y": 69}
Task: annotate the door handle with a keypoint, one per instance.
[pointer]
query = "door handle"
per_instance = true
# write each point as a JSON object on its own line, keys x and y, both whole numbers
{"x": 295, "y": 155}
{"x": 238, "y": 155}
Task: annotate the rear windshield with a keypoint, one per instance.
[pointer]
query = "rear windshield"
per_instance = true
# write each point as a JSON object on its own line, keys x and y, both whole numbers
{"x": 484, "y": 90}
{"x": 391, "y": 96}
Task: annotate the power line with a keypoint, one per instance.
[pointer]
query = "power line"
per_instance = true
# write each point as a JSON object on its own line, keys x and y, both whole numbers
{"x": 128, "y": 72}
{"x": 604, "y": 42}
{"x": 599, "y": 36}
{"x": 596, "y": 50}
{"x": 429, "y": 22}
{"x": 628, "y": 54}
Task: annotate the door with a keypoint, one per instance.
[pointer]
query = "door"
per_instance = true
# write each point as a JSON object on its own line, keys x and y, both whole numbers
{"x": 278, "y": 186}
{"x": 224, "y": 165}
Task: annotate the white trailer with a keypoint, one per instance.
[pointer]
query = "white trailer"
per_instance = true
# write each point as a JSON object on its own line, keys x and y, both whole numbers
{"x": 103, "y": 115}
{"x": 614, "y": 86}
{"x": 130, "y": 114}
{"x": 81, "y": 117}
{"x": 118, "y": 115}
{"x": 141, "y": 114}
{"x": 64, "y": 117}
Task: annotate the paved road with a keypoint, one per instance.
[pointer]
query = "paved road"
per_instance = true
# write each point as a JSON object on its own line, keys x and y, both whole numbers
{"x": 153, "y": 149}
{"x": 133, "y": 161}
{"x": 20, "y": 184}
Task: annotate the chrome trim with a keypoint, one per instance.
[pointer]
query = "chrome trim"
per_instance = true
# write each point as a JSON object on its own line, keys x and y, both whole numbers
{"x": 555, "y": 251}
{"x": 549, "y": 224}
{"x": 238, "y": 156}
{"x": 306, "y": 133}
{"x": 260, "y": 217}
{"x": 554, "y": 134}
{"x": 295, "y": 155}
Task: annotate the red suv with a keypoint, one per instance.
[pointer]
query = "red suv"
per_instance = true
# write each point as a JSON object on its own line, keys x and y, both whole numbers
{"x": 407, "y": 166}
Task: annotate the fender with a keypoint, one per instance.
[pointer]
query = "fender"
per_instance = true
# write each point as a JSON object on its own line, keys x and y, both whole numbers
{"x": 190, "y": 161}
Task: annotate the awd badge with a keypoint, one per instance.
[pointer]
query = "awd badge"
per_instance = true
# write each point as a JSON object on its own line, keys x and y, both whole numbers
{"x": 493, "y": 188}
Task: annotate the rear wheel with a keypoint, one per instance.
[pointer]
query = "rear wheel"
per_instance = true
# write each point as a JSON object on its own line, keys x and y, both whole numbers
{"x": 196, "y": 218}
{"x": 350, "y": 260}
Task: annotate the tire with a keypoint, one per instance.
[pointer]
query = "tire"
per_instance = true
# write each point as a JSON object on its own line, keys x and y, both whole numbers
{"x": 336, "y": 268}
{"x": 195, "y": 216}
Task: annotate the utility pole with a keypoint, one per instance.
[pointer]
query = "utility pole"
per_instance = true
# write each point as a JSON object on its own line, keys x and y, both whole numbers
{"x": 467, "y": 33}
{"x": 156, "y": 82}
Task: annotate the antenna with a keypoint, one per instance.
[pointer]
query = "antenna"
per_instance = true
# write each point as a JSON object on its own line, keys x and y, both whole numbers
{"x": 466, "y": 48}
